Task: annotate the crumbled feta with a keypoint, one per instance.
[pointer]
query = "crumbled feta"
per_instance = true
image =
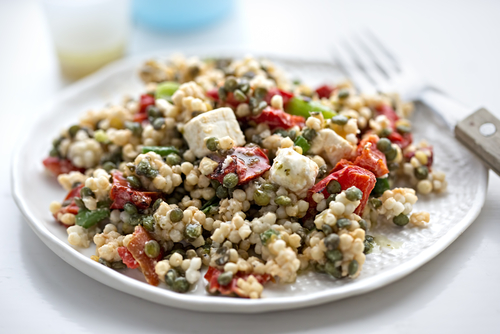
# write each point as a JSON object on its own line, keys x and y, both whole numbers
{"x": 331, "y": 146}
{"x": 293, "y": 171}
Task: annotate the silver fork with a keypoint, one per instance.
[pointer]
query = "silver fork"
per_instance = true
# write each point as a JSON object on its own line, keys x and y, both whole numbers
{"x": 373, "y": 68}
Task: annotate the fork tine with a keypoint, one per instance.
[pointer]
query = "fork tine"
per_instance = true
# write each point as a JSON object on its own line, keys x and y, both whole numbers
{"x": 348, "y": 67}
{"x": 383, "y": 49}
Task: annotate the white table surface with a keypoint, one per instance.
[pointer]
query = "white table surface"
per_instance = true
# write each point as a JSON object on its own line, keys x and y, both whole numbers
{"x": 454, "y": 43}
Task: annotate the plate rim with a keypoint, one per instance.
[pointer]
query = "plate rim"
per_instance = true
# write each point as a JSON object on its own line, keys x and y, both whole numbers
{"x": 121, "y": 282}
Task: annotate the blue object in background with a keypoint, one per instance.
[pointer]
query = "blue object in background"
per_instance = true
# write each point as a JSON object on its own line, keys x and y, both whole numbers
{"x": 179, "y": 15}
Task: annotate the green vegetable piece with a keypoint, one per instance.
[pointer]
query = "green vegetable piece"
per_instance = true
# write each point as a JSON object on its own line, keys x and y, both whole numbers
{"x": 391, "y": 154}
{"x": 87, "y": 219}
{"x": 385, "y": 132}
{"x": 384, "y": 145}
{"x": 343, "y": 223}
{"x": 86, "y": 192}
{"x": 104, "y": 262}
{"x": 403, "y": 129}
{"x": 225, "y": 278}
{"x": 309, "y": 134}
{"x": 283, "y": 133}
{"x": 380, "y": 187}
{"x": 193, "y": 231}
{"x": 334, "y": 255}
{"x": 239, "y": 96}
{"x": 421, "y": 172}
{"x": 170, "y": 277}
{"x": 212, "y": 144}
{"x": 54, "y": 152}
{"x": 152, "y": 249}
{"x": 260, "y": 93}
{"x": 210, "y": 204}
{"x": 221, "y": 192}
{"x": 158, "y": 123}
{"x": 331, "y": 241}
{"x": 144, "y": 168}
{"x": 135, "y": 127}
{"x": 362, "y": 224}
{"x": 376, "y": 203}
{"x": 269, "y": 187}
{"x": 283, "y": 200}
{"x": 105, "y": 203}
{"x": 298, "y": 106}
{"x": 101, "y": 136}
{"x": 134, "y": 182}
{"x": 268, "y": 236}
{"x": 79, "y": 202}
{"x": 148, "y": 222}
{"x": 230, "y": 84}
{"x": 176, "y": 215}
{"x": 230, "y": 180}
{"x": 353, "y": 194}
{"x": 118, "y": 265}
{"x": 108, "y": 166}
{"x": 343, "y": 93}
{"x": 339, "y": 120}
{"x": 166, "y": 89}
{"x": 331, "y": 270}
{"x": 154, "y": 112}
{"x": 334, "y": 187}
{"x": 401, "y": 220}
{"x": 180, "y": 285}
{"x": 173, "y": 159}
{"x": 327, "y": 229}
{"x": 353, "y": 268}
{"x": 73, "y": 130}
{"x": 303, "y": 143}
{"x": 130, "y": 208}
{"x": 160, "y": 150}
{"x": 222, "y": 93}
{"x": 260, "y": 197}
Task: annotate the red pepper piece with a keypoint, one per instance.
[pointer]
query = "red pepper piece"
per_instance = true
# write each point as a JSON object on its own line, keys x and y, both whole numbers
{"x": 276, "y": 91}
{"x": 369, "y": 157}
{"x": 214, "y": 286}
{"x": 72, "y": 207}
{"x": 121, "y": 193}
{"x": 139, "y": 118}
{"x": 146, "y": 100}
{"x": 325, "y": 91}
{"x": 348, "y": 176}
{"x": 127, "y": 258}
{"x": 247, "y": 162}
{"x": 277, "y": 118}
{"x": 136, "y": 248}
{"x": 401, "y": 140}
{"x": 388, "y": 112}
{"x": 60, "y": 166}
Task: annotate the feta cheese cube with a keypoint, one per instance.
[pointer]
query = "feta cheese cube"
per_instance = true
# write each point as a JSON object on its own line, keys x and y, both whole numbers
{"x": 332, "y": 146}
{"x": 215, "y": 123}
{"x": 293, "y": 171}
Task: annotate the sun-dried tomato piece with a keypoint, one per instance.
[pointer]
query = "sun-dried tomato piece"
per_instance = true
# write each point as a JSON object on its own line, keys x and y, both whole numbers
{"x": 121, "y": 193}
{"x": 60, "y": 166}
{"x": 325, "y": 91}
{"x": 277, "y": 118}
{"x": 127, "y": 258}
{"x": 136, "y": 248}
{"x": 231, "y": 288}
{"x": 276, "y": 91}
{"x": 71, "y": 207}
{"x": 370, "y": 158}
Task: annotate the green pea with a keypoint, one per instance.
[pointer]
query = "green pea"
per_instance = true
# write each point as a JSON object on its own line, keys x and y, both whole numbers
{"x": 230, "y": 84}
{"x": 222, "y": 93}
{"x": 152, "y": 249}
{"x": 108, "y": 166}
{"x": 362, "y": 223}
{"x": 261, "y": 197}
{"x": 221, "y": 192}
{"x": 134, "y": 182}
{"x": 153, "y": 111}
{"x": 148, "y": 222}
{"x": 384, "y": 145}
{"x": 193, "y": 231}
{"x": 327, "y": 229}
{"x": 339, "y": 120}
{"x": 376, "y": 203}
{"x": 267, "y": 236}
{"x": 158, "y": 123}
{"x": 331, "y": 241}
{"x": 343, "y": 93}
{"x": 173, "y": 159}
{"x": 180, "y": 285}
{"x": 343, "y": 223}
{"x": 86, "y": 192}
{"x": 212, "y": 144}
{"x": 130, "y": 208}
{"x": 73, "y": 130}
{"x": 334, "y": 187}
{"x": 331, "y": 270}
{"x": 334, "y": 255}
{"x": 230, "y": 180}
{"x": 118, "y": 265}
{"x": 401, "y": 220}
{"x": 283, "y": 200}
{"x": 353, "y": 267}
{"x": 170, "y": 277}
{"x": 421, "y": 172}
{"x": 176, "y": 215}
{"x": 391, "y": 154}
{"x": 403, "y": 129}
{"x": 260, "y": 93}
{"x": 239, "y": 96}
{"x": 353, "y": 194}
{"x": 104, "y": 262}
{"x": 157, "y": 204}
{"x": 225, "y": 278}
{"x": 309, "y": 134}
{"x": 135, "y": 127}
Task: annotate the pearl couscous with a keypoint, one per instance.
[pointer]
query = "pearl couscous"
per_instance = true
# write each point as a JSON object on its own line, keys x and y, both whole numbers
{"x": 228, "y": 168}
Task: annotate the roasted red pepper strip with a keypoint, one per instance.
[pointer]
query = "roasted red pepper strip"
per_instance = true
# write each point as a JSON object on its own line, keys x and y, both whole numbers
{"x": 136, "y": 248}
{"x": 72, "y": 207}
{"x": 277, "y": 118}
{"x": 325, "y": 91}
{"x": 247, "y": 162}
{"x": 276, "y": 91}
{"x": 121, "y": 193}
{"x": 127, "y": 258}
{"x": 370, "y": 158}
{"x": 348, "y": 176}
{"x": 214, "y": 286}
{"x": 60, "y": 166}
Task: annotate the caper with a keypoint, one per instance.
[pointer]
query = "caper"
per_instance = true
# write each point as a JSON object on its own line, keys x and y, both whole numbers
{"x": 73, "y": 130}
{"x": 230, "y": 180}
{"x": 130, "y": 208}
{"x": 239, "y": 96}
{"x": 134, "y": 182}
{"x": 108, "y": 166}
{"x": 143, "y": 167}
{"x": 79, "y": 202}
{"x": 127, "y": 228}
{"x": 330, "y": 198}
{"x": 343, "y": 93}
{"x": 421, "y": 172}
{"x": 334, "y": 255}
{"x": 343, "y": 223}
{"x": 173, "y": 159}
{"x": 339, "y": 120}
{"x": 176, "y": 215}
{"x": 267, "y": 236}
{"x": 334, "y": 187}
{"x": 222, "y": 260}
{"x": 260, "y": 93}
{"x": 393, "y": 166}
{"x": 153, "y": 111}
{"x": 157, "y": 204}
{"x": 261, "y": 197}
{"x": 292, "y": 134}
{"x": 283, "y": 200}
{"x": 283, "y": 133}
{"x": 212, "y": 144}
{"x": 385, "y": 132}
{"x": 104, "y": 262}
{"x": 225, "y": 278}
{"x": 353, "y": 267}
{"x": 86, "y": 192}
{"x": 118, "y": 265}
{"x": 391, "y": 154}
{"x": 384, "y": 145}
{"x": 180, "y": 285}
{"x": 327, "y": 229}
{"x": 331, "y": 270}
{"x": 135, "y": 127}
{"x": 214, "y": 183}
{"x": 261, "y": 106}
{"x": 309, "y": 134}
{"x": 152, "y": 248}
{"x": 353, "y": 194}
{"x": 376, "y": 203}
{"x": 221, "y": 192}
{"x": 54, "y": 152}
{"x": 362, "y": 224}
{"x": 244, "y": 87}
{"x": 222, "y": 93}
{"x": 193, "y": 231}
{"x": 331, "y": 241}
{"x": 170, "y": 277}
{"x": 135, "y": 220}
{"x": 158, "y": 123}
{"x": 401, "y": 220}
{"x": 148, "y": 222}
{"x": 230, "y": 84}
{"x": 269, "y": 187}
{"x": 403, "y": 129}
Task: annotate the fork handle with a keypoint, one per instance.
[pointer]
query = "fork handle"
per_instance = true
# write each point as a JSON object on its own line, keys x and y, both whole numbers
{"x": 480, "y": 132}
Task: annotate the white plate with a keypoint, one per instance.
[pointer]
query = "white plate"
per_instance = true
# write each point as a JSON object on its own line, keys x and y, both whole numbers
{"x": 451, "y": 213}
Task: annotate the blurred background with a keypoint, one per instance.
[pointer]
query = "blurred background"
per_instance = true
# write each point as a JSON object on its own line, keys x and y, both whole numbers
{"x": 45, "y": 45}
